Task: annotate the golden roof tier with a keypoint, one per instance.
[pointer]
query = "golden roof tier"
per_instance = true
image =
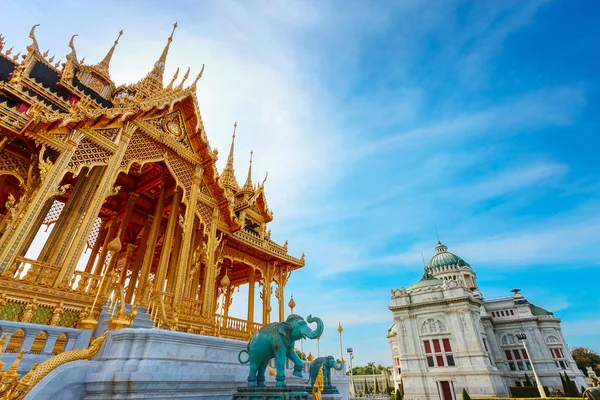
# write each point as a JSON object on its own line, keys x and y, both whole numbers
{"x": 126, "y": 174}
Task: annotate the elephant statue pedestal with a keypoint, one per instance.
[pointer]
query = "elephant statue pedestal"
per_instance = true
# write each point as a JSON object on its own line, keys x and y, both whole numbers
{"x": 272, "y": 393}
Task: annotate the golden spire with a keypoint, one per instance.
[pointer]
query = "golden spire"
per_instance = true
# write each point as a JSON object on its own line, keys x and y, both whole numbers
{"x": 228, "y": 175}
{"x": 102, "y": 66}
{"x": 180, "y": 86}
{"x": 193, "y": 85}
{"x": 159, "y": 67}
{"x": 170, "y": 85}
{"x": 248, "y": 188}
{"x": 33, "y": 47}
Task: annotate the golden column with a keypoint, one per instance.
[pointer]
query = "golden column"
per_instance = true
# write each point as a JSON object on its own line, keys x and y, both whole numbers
{"x": 67, "y": 236}
{"x": 102, "y": 192}
{"x": 110, "y": 235}
{"x": 12, "y": 242}
{"x": 128, "y": 258}
{"x": 191, "y": 274}
{"x": 139, "y": 259}
{"x": 151, "y": 246}
{"x": 97, "y": 244}
{"x": 173, "y": 270}
{"x": 36, "y": 227}
{"x": 163, "y": 263}
{"x": 188, "y": 235}
{"x": 251, "y": 284}
{"x": 65, "y": 217}
{"x": 210, "y": 272}
{"x": 127, "y": 214}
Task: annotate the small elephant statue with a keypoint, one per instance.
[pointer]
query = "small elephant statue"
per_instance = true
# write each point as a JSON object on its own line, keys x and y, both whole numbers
{"x": 327, "y": 363}
{"x": 276, "y": 340}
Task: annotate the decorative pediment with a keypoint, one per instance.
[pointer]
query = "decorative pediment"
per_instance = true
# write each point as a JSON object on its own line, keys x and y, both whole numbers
{"x": 172, "y": 124}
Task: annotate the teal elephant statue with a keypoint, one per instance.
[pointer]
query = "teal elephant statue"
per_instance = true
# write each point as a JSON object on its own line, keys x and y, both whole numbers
{"x": 327, "y": 363}
{"x": 276, "y": 340}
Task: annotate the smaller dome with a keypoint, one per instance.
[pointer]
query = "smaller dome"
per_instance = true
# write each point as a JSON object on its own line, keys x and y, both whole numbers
{"x": 443, "y": 258}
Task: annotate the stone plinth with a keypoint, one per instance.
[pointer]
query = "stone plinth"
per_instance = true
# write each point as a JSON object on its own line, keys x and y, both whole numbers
{"x": 272, "y": 393}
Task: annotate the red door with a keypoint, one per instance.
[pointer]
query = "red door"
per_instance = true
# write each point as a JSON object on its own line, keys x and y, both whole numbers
{"x": 446, "y": 391}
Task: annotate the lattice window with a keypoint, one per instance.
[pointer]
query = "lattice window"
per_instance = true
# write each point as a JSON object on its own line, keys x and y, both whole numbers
{"x": 94, "y": 234}
{"x": 13, "y": 165}
{"x": 88, "y": 153}
{"x": 205, "y": 214}
{"x": 53, "y": 213}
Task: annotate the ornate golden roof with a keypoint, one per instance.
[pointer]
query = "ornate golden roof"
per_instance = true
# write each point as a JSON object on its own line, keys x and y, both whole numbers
{"x": 227, "y": 178}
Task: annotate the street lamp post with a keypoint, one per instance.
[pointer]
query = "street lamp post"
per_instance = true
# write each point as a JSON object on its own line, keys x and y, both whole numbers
{"x": 522, "y": 337}
{"x": 350, "y": 352}
{"x": 374, "y": 382}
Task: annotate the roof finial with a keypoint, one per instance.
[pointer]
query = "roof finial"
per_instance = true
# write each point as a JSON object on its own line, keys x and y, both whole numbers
{"x": 105, "y": 63}
{"x": 437, "y": 235}
{"x": 34, "y": 45}
{"x": 423, "y": 258}
{"x": 154, "y": 80}
{"x": 180, "y": 86}
{"x": 170, "y": 85}
{"x": 193, "y": 85}
{"x": 248, "y": 185}
{"x": 228, "y": 175}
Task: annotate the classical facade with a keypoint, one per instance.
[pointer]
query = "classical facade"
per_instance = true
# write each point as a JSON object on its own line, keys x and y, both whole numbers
{"x": 446, "y": 336}
{"x": 125, "y": 173}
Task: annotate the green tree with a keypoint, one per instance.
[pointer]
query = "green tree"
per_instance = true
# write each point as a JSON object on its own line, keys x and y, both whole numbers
{"x": 570, "y": 388}
{"x": 527, "y": 381}
{"x": 584, "y": 358}
{"x": 465, "y": 395}
{"x": 388, "y": 389}
{"x": 398, "y": 395}
{"x": 367, "y": 391}
{"x": 375, "y": 386}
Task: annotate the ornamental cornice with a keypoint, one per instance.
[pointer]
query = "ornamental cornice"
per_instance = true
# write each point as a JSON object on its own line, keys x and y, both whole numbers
{"x": 433, "y": 302}
{"x": 164, "y": 138}
{"x": 524, "y": 319}
{"x": 43, "y": 138}
{"x": 100, "y": 141}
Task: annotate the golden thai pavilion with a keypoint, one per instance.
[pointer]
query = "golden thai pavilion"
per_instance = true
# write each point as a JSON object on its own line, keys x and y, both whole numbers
{"x": 126, "y": 174}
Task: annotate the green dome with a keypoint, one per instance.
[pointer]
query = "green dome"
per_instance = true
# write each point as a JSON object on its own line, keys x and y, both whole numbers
{"x": 535, "y": 310}
{"x": 443, "y": 258}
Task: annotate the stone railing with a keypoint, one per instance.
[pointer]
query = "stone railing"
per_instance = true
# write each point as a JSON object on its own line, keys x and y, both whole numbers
{"x": 39, "y": 342}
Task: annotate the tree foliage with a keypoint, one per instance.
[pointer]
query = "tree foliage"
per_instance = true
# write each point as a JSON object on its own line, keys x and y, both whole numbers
{"x": 465, "y": 395}
{"x": 369, "y": 369}
{"x": 300, "y": 354}
{"x": 584, "y": 358}
{"x": 528, "y": 381}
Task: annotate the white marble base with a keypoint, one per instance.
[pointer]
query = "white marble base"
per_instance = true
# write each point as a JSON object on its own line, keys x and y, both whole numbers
{"x": 138, "y": 363}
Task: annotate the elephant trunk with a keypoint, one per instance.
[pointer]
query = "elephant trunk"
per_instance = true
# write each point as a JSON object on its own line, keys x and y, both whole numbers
{"x": 338, "y": 366}
{"x": 317, "y": 332}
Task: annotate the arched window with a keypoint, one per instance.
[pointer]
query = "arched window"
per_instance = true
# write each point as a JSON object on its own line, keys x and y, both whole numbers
{"x": 15, "y": 342}
{"x": 61, "y": 342}
{"x": 509, "y": 340}
{"x": 432, "y": 326}
{"x": 552, "y": 340}
{"x": 38, "y": 343}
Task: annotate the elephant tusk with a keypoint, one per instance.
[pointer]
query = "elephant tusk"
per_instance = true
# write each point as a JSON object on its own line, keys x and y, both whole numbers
{"x": 272, "y": 371}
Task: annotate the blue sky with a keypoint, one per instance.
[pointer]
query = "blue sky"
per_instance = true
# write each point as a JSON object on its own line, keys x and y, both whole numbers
{"x": 378, "y": 121}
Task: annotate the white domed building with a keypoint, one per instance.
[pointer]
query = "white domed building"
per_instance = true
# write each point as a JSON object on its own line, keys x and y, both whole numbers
{"x": 446, "y": 336}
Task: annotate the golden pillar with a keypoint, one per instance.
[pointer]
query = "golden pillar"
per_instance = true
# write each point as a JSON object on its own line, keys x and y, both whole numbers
{"x": 104, "y": 187}
{"x": 36, "y": 226}
{"x": 251, "y": 284}
{"x": 227, "y": 298}
{"x": 163, "y": 262}
{"x": 97, "y": 245}
{"x": 12, "y": 242}
{"x": 128, "y": 258}
{"x": 151, "y": 246}
{"x": 127, "y": 214}
{"x": 185, "y": 250}
{"x": 210, "y": 271}
{"x": 139, "y": 259}
{"x": 191, "y": 274}
{"x": 172, "y": 272}
{"x": 110, "y": 235}
{"x": 67, "y": 235}
{"x": 65, "y": 217}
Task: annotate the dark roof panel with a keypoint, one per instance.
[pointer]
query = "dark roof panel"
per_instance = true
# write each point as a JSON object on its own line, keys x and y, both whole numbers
{"x": 105, "y": 103}
{"x": 49, "y": 79}
{"x": 6, "y": 68}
